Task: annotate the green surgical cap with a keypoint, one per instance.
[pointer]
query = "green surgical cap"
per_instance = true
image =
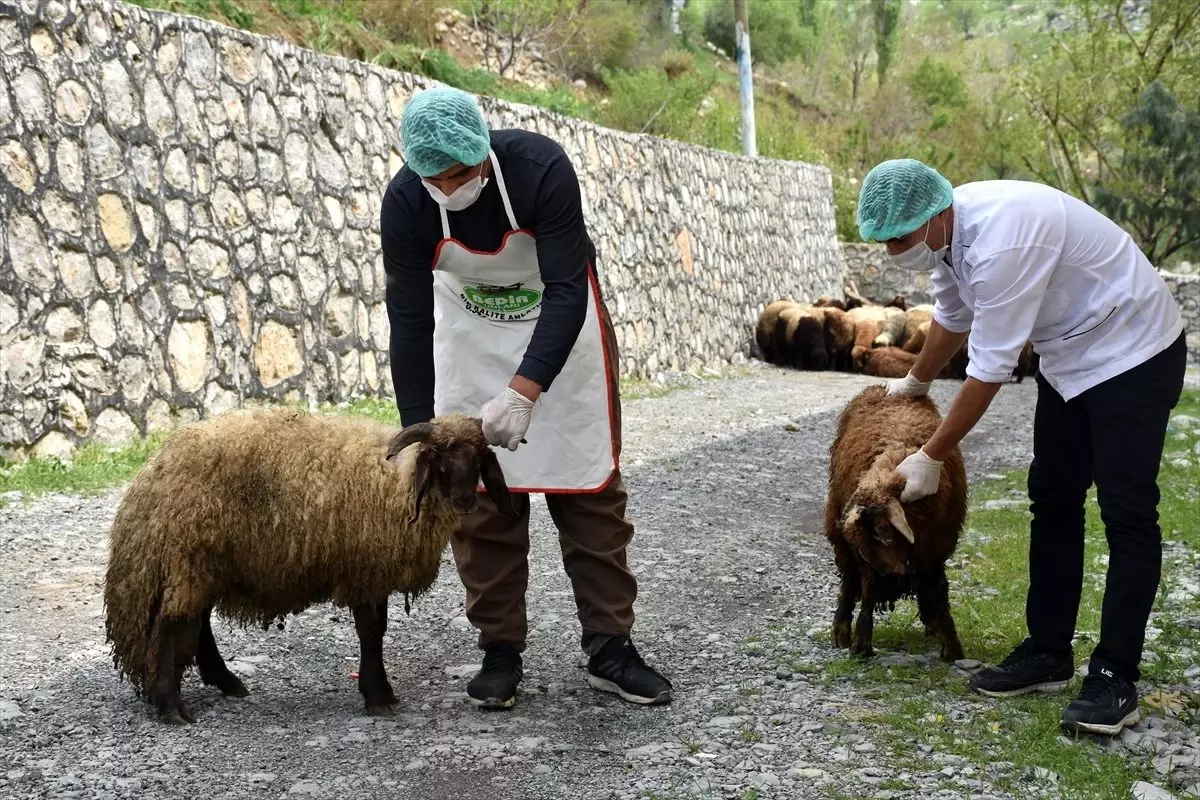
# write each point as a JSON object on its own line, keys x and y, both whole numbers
{"x": 899, "y": 196}
{"x": 442, "y": 127}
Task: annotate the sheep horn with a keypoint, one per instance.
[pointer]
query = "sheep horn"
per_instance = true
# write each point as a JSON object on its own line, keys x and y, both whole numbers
{"x": 899, "y": 521}
{"x": 420, "y": 432}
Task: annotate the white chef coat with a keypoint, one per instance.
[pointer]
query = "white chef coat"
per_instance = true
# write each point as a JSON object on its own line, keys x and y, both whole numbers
{"x": 1031, "y": 263}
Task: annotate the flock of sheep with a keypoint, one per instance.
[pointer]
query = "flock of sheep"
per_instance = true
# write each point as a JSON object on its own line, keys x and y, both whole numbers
{"x": 856, "y": 334}
{"x": 256, "y": 514}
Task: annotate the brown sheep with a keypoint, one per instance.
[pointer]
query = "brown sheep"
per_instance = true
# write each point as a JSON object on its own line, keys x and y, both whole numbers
{"x": 888, "y": 362}
{"x": 891, "y": 332}
{"x": 916, "y": 327}
{"x": 830, "y": 302}
{"x": 868, "y": 323}
{"x": 259, "y": 514}
{"x": 839, "y": 338}
{"x": 800, "y": 337}
{"x": 764, "y": 331}
{"x": 885, "y": 550}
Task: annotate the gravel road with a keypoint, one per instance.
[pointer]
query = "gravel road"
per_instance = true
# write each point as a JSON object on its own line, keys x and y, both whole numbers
{"x": 726, "y": 480}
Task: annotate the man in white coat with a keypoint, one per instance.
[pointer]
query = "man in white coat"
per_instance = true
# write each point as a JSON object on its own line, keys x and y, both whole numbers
{"x": 1012, "y": 262}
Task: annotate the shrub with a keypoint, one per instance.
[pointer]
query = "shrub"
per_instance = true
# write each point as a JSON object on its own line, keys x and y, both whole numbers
{"x": 776, "y": 33}
{"x": 646, "y": 100}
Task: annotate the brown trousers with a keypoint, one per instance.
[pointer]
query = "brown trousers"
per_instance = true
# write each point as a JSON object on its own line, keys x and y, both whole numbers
{"x": 491, "y": 551}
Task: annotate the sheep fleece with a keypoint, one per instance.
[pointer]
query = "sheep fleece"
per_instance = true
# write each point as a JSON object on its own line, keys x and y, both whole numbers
{"x": 264, "y": 513}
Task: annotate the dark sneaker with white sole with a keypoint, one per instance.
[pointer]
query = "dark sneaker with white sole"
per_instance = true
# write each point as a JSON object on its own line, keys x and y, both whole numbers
{"x": 496, "y": 684}
{"x": 1026, "y": 669}
{"x": 618, "y": 668}
{"x": 1105, "y": 705}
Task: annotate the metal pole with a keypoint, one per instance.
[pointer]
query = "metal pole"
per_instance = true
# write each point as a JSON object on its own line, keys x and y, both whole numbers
{"x": 745, "y": 76}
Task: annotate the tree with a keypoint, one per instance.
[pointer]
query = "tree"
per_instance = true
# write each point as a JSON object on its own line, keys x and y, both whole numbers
{"x": 1155, "y": 180}
{"x": 776, "y": 32}
{"x": 887, "y": 26}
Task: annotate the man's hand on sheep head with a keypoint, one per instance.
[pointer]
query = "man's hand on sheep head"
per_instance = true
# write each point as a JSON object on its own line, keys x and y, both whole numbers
{"x": 506, "y": 418}
{"x": 921, "y": 476}
{"x": 908, "y": 386}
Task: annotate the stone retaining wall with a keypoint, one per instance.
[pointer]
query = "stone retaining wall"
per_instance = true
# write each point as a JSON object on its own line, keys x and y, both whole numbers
{"x": 189, "y": 221}
{"x": 871, "y": 270}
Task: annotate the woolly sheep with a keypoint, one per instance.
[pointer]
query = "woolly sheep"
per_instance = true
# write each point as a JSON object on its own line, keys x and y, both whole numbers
{"x": 916, "y": 327}
{"x": 764, "y": 331}
{"x": 839, "y": 338}
{"x": 884, "y": 550}
{"x": 888, "y": 362}
{"x": 258, "y": 514}
{"x": 800, "y": 337}
{"x": 891, "y": 332}
{"x": 868, "y": 322}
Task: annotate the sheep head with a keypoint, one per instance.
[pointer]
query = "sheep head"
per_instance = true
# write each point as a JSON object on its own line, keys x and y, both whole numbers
{"x": 454, "y": 457}
{"x": 874, "y": 522}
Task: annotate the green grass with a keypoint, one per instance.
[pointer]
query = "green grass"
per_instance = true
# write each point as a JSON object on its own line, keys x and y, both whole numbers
{"x": 989, "y": 579}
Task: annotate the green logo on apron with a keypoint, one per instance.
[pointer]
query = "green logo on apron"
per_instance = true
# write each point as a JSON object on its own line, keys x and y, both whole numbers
{"x": 502, "y": 300}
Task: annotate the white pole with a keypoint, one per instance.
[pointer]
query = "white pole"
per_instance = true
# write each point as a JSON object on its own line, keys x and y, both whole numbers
{"x": 745, "y": 77}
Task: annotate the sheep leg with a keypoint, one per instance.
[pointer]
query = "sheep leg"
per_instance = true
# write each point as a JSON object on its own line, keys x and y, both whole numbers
{"x": 865, "y": 628}
{"x": 168, "y": 673}
{"x": 843, "y": 616}
{"x": 933, "y": 602}
{"x": 212, "y": 667}
{"x": 370, "y": 621}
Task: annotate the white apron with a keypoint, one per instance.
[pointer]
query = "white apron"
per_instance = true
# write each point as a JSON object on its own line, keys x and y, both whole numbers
{"x": 485, "y": 306}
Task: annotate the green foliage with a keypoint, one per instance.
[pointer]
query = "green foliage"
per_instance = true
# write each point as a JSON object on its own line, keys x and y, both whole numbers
{"x": 1155, "y": 180}
{"x": 937, "y": 85}
{"x": 648, "y": 101}
{"x": 776, "y": 31}
{"x": 887, "y": 26}
{"x": 598, "y": 36}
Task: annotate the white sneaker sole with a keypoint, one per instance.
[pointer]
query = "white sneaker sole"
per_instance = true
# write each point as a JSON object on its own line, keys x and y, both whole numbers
{"x": 493, "y": 702}
{"x": 608, "y": 686}
{"x": 1053, "y": 686}
{"x": 1110, "y": 730}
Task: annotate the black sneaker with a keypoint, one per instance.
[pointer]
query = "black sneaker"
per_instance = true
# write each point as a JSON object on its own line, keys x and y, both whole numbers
{"x": 1026, "y": 669}
{"x": 618, "y": 668}
{"x": 496, "y": 684}
{"x": 1105, "y": 705}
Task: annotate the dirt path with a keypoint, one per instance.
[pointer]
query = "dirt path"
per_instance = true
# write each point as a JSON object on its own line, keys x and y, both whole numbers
{"x": 727, "y": 503}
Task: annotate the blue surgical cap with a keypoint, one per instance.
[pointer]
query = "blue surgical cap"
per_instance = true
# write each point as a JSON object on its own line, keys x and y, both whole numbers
{"x": 899, "y": 196}
{"x": 442, "y": 127}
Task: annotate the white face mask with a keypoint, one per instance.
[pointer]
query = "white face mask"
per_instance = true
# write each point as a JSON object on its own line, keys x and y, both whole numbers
{"x": 463, "y": 196}
{"x": 920, "y": 257}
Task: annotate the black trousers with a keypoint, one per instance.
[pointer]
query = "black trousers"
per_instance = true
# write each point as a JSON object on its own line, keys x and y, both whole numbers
{"x": 1112, "y": 435}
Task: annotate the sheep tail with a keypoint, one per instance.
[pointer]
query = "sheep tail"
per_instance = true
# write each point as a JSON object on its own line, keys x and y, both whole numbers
{"x": 133, "y": 600}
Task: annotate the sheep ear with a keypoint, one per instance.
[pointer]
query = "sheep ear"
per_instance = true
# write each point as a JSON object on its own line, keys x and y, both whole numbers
{"x": 497, "y": 488}
{"x": 852, "y": 516}
{"x": 899, "y": 521}
{"x": 419, "y": 432}
{"x": 420, "y": 481}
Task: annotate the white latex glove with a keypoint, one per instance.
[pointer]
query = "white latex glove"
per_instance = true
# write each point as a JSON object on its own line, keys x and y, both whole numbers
{"x": 908, "y": 386}
{"x": 506, "y": 418}
{"x": 921, "y": 474}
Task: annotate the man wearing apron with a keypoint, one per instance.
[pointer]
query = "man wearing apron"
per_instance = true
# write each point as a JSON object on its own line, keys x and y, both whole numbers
{"x": 495, "y": 311}
{"x": 1015, "y": 261}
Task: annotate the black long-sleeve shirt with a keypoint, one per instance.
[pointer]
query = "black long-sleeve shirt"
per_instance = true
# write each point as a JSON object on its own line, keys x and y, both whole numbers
{"x": 544, "y": 192}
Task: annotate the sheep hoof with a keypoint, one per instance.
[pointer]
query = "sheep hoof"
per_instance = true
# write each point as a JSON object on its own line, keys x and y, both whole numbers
{"x": 235, "y": 688}
{"x": 381, "y": 710}
{"x": 841, "y": 635}
{"x": 177, "y": 716}
{"x": 863, "y": 651}
{"x": 952, "y": 653}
